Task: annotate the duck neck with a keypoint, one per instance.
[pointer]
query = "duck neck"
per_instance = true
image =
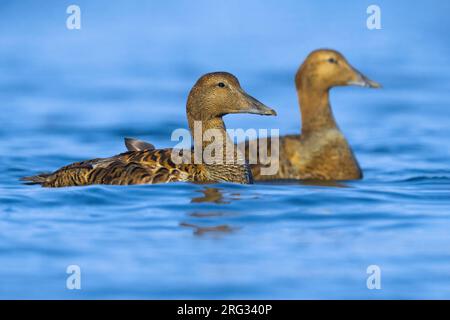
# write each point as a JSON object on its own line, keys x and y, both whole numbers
{"x": 214, "y": 148}
{"x": 315, "y": 109}
{"x": 202, "y": 130}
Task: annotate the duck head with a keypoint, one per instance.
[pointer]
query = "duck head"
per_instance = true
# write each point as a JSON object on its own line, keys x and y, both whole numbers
{"x": 324, "y": 69}
{"x": 219, "y": 93}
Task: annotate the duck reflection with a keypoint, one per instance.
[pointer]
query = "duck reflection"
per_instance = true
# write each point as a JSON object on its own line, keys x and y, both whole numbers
{"x": 213, "y": 195}
{"x": 324, "y": 183}
{"x": 206, "y": 214}
{"x": 199, "y": 230}
{"x": 311, "y": 183}
{"x": 216, "y": 196}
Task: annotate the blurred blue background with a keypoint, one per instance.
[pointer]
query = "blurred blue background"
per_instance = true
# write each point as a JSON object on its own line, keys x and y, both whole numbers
{"x": 68, "y": 95}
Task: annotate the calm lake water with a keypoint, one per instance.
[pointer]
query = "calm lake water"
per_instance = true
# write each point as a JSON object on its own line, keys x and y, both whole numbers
{"x": 72, "y": 95}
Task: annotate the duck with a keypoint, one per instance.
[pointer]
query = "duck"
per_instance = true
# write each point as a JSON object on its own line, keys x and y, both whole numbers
{"x": 213, "y": 96}
{"x": 321, "y": 152}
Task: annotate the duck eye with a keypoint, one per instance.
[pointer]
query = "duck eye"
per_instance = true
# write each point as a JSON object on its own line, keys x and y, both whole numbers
{"x": 332, "y": 60}
{"x": 221, "y": 84}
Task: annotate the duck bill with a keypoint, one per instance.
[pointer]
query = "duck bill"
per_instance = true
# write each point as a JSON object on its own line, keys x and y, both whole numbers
{"x": 251, "y": 105}
{"x": 361, "y": 80}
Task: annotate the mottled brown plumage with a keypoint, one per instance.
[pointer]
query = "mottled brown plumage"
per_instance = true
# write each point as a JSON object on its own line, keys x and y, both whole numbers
{"x": 321, "y": 152}
{"x": 213, "y": 96}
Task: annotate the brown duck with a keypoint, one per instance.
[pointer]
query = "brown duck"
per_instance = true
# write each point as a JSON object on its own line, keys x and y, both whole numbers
{"x": 321, "y": 152}
{"x": 213, "y": 96}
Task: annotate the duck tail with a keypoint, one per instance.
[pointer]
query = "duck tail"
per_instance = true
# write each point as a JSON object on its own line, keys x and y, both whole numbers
{"x": 37, "y": 179}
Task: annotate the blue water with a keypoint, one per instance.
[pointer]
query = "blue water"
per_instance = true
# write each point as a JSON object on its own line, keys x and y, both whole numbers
{"x": 72, "y": 95}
